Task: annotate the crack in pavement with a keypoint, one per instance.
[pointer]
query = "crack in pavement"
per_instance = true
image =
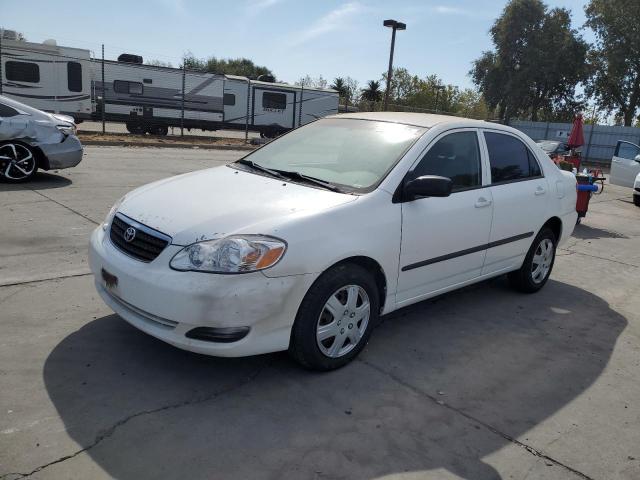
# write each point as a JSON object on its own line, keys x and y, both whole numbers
{"x": 67, "y": 207}
{"x": 112, "y": 429}
{"x": 473, "y": 419}
{"x": 598, "y": 257}
{"x": 48, "y": 279}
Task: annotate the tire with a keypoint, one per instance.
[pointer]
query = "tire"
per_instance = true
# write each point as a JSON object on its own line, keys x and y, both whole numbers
{"x": 159, "y": 130}
{"x": 18, "y": 162}
{"x": 135, "y": 128}
{"x": 345, "y": 334}
{"x": 636, "y": 200}
{"x": 533, "y": 275}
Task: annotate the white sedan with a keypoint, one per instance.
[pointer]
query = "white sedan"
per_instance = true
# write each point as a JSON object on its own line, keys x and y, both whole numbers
{"x": 305, "y": 242}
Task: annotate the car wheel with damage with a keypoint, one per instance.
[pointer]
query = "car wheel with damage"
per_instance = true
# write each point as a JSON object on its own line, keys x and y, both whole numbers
{"x": 18, "y": 162}
{"x": 335, "y": 318}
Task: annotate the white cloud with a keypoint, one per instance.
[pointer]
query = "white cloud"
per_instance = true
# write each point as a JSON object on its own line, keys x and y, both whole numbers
{"x": 446, "y": 10}
{"x": 259, "y": 5}
{"x": 333, "y": 20}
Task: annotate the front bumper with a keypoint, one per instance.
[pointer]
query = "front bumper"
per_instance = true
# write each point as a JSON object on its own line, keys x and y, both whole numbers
{"x": 65, "y": 154}
{"x": 167, "y": 304}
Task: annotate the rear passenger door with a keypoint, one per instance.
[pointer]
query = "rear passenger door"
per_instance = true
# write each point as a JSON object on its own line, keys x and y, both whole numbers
{"x": 520, "y": 200}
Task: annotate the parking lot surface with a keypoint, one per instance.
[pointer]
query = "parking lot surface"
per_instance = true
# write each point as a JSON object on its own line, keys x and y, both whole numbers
{"x": 483, "y": 383}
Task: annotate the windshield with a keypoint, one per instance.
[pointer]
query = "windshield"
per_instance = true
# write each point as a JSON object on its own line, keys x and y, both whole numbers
{"x": 346, "y": 152}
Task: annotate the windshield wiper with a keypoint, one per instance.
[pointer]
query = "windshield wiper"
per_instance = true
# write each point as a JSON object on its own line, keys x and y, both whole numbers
{"x": 256, "y": 166}
{"x": 301, "y": 176}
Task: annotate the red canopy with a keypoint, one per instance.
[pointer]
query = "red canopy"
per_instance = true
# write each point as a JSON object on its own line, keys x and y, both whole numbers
{"x": 576, "y": 138}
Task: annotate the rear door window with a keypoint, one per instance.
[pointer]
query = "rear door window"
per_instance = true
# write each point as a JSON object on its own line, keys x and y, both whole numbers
{"x": 510, "y": 159}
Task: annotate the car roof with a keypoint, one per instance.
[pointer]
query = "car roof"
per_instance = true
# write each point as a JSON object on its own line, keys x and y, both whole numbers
{"x": 426, "y": 120}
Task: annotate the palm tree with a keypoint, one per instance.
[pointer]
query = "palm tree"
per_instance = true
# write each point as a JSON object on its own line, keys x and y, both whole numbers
{"x": 339, "y": 86}
{"x": 372, "y": 93}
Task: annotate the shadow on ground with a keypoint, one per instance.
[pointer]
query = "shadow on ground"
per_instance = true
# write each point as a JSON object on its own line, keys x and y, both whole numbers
{"x": 41, "y": 181}
{"x": 586, "y": 232}
{"x": 435, "y": 387}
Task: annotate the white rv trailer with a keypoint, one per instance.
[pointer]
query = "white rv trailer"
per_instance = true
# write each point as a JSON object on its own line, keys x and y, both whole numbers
{"x": 149, "y": 98}
{"x": 47, "y": 76}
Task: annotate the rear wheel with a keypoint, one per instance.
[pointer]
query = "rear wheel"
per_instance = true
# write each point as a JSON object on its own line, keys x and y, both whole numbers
{"x": 636, "y": 200}
{"x": 135, "y": 128}
{"x": 537, "y": 265}
{"x": 335, "y": 319}
{"x": 17, "y": 162}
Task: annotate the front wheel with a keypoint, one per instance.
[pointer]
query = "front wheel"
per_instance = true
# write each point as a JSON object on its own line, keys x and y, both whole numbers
{"x": 17, "y": 162}
{"x": 538, "y": 263}
{"x": 335, "y": 319}
{"x": 636, "y": 200}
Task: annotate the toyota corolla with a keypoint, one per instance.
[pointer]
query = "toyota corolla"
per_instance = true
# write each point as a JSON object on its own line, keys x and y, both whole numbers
{"x": 304, "y": 243}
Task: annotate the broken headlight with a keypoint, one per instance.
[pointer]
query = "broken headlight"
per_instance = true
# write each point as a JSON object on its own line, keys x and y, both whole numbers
{"x": 234, "y": 254}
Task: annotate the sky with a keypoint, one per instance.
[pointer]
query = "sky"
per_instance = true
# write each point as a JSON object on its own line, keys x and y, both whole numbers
{"x": 291, "y": 37}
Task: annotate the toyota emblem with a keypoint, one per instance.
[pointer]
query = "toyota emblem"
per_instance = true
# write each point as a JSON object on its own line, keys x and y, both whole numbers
{"x": 130, "y": 234}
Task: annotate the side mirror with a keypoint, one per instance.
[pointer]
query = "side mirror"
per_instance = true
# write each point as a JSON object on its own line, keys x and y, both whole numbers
{"x": 427, "y": 186}
{"x": 637, "y": 158}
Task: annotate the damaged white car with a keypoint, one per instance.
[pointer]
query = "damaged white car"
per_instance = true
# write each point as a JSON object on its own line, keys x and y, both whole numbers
{"x": 32, "y": 139}
{"x": 304, "y": 243}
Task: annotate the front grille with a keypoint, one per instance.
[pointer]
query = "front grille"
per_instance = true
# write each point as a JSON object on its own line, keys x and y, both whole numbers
{"x": 146, "y": 243}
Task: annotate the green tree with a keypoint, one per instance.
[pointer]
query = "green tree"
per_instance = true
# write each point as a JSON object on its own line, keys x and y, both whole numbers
{"x": 339, "y": 86}
{"x": 403, "y": 85}
{"x": 229, "y": 66}
{"x": 615, "y": 58}
{"x": 372, "y": 93}
{"x": 159, "y": 63}
{"x": 312, "y": 82}
{"x": 537, "y": 62}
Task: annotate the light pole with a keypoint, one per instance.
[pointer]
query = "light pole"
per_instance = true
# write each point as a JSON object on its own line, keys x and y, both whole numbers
{"x": 394, "y": 25}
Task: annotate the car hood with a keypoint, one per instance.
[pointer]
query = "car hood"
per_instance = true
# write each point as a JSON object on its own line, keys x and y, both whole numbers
{"x": 220, "y": 201}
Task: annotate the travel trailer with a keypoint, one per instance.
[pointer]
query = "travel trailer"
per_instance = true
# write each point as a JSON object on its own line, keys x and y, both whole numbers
{"x": 147, "y": 98}
{"x": 47, "y": 76}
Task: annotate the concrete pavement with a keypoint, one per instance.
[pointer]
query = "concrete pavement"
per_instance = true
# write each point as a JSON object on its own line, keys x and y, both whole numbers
{"x": 484, "y": 383}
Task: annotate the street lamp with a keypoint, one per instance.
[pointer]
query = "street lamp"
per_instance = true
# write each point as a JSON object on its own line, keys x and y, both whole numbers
{"x": 394, "y": 25}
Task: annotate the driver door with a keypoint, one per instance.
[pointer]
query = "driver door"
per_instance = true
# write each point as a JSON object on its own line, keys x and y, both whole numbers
{"x": 444, "y": 240}
{"x": 624, "y": 166}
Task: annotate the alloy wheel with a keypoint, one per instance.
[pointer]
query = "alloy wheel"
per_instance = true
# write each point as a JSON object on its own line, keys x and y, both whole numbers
{"x": 343, "y": 321}
{"x": 19, "y": 161}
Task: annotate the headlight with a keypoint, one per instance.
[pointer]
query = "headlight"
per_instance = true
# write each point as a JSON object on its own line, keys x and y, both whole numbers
{"x": 234, "y": 254}
{"x": 67, "y": 129}
{"x": 111, "y": 214}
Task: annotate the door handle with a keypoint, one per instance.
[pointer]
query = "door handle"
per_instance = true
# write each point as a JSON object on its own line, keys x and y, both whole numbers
{"x": 540, "y": 191}
{"x": 482, "y": 202}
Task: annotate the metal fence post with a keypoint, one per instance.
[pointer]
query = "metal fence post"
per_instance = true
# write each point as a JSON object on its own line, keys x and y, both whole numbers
{"x": 1, "y": 34}
{"x": 586, "y": 155}
{"x": 300, "y": 106}
{"x": 182, "y": 106}
{"x": 104, "y": 94}
{"x": 246, "y": 118}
